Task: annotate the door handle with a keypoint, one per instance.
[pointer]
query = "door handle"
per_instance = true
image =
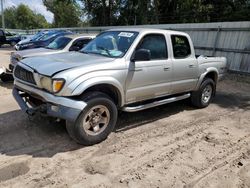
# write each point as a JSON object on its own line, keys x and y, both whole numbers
{"x": 136, "y": 69}
{"x": 166, "y": 68}
{"x": 191, "y": 66}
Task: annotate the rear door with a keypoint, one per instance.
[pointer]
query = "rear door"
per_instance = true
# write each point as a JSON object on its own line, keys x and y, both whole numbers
{"x": 185, "y": 66}
{"x": 152, "y": 78}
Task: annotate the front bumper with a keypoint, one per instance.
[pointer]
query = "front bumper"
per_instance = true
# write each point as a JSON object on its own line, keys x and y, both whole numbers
{"x": 54, "y": 106}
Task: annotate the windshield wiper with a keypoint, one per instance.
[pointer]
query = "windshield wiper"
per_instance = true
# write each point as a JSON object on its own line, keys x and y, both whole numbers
{"x": 51, "y": 48}
{"x": 96, "y": 53}
{"x": 84, "y": 52}
{"x": 105, "y": 49}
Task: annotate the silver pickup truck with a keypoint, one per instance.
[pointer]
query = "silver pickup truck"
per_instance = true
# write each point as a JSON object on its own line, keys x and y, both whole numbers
{"x": 121, "y": 69}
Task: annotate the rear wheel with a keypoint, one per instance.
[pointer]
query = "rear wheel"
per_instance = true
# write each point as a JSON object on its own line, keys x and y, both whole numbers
{"x": 202, "y": 97}
{"x": 96, "y": 121}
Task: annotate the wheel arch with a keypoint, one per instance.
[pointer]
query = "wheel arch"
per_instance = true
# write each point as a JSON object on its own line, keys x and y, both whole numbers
{"x": 107, "y": 85}
{"x": 211, "y": 73}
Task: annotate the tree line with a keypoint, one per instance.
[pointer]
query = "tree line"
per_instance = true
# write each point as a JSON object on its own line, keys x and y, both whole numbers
{"x": 77, "y": 13}
{"x": 22, "y": 17}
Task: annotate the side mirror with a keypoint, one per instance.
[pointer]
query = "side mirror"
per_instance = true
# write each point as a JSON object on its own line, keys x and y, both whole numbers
{"x": 142, "y": 55}
{"x": 74, "y": 48}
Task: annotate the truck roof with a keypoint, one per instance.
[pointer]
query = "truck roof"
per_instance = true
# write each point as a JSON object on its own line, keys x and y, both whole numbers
{"x": 145, "y": 30}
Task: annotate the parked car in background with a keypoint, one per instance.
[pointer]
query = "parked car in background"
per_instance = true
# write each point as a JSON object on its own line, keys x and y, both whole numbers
{"x": 59, "y": 45}
{"x": 121, "y": 69}
{"x": 35, "y": 37}
{"x": 44, "y": 40}
{"x": 8, "y": 38}
{"x": 26, "y": 37}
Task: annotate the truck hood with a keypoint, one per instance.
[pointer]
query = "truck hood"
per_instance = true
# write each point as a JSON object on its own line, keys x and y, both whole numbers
{"x": 35, "y": 52}
{"x": 52, "y": 64}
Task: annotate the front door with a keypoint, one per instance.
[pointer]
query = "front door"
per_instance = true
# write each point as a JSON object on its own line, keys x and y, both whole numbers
{"x": 152, "y": 78}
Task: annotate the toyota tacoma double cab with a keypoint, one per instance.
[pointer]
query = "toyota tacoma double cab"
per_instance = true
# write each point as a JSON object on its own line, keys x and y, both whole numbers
{"x": 129, "y": 69}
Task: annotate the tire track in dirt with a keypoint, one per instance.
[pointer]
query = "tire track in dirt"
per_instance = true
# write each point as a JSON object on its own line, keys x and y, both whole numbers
{"x": 172, "y": 128}
{"x": 233, "y": 156}
{"x": 160, "y": 156}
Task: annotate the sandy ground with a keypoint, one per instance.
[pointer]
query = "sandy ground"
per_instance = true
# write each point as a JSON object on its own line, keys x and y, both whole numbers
{"x": 173, "y": 145}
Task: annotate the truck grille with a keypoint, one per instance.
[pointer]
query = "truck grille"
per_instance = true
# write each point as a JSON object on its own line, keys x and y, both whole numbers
{"x": 24, "y": 75}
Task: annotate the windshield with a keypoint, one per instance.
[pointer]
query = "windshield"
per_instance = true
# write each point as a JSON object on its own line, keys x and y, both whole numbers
{"x": 37, "y": 36}
{"x": 48, "y": 36}
{"x": 59, "y": 43}
{"x": 111, "y": 43}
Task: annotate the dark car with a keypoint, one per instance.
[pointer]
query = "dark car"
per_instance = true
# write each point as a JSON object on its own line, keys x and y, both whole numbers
{"x": 43, "y": 41}
{"x": 35, "y": 37}
{"x": 8, "y": 38}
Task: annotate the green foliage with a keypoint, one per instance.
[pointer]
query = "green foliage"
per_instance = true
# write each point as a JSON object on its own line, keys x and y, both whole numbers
{"x": 22, "y": 17}
{"x": 66, "y": 13}
{"x": 10, "y": 17}
{"x": 69, "y": 13}
{"x": 129, "y": 12}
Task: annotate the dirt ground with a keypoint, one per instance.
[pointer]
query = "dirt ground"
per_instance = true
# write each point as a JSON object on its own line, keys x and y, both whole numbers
{"x": 174, "y": 145}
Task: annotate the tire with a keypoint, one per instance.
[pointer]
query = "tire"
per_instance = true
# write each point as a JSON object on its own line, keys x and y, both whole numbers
{"x": 204, "y": 95}
{"x": 6, "y": 77}
{"x": 96, "y": 121}
{"x": 13, "y": 43}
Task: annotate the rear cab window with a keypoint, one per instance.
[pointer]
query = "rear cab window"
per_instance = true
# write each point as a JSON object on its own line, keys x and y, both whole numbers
{"x": 181, "y": 46}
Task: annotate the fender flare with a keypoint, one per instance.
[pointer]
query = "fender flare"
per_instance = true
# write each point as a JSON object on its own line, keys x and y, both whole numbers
{"x": 101, "y": 80}
{"x": 203, "y": 75}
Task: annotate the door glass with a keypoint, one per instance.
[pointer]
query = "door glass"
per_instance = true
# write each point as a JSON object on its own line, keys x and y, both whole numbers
{"x": 156, "y": 44}
{"x": 81, "y": 43}
{"x": 181, "y": 46}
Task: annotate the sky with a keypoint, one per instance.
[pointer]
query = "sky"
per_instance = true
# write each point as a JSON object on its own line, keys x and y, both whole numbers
{"x": 36, "y": 5}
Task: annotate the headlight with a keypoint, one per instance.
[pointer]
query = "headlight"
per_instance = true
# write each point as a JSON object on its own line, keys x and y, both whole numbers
{"x": 52, "y": 85}
{"x": 17, "y": 57}
{"x": 57, "y": 85}
{"x": 46, "y": 83}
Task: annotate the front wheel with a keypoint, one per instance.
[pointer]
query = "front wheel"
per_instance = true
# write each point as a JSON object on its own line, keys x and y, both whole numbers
{"x": 96, "y": 121}
{"x": 202, "y": 97}
{"x": 13, "y": 43}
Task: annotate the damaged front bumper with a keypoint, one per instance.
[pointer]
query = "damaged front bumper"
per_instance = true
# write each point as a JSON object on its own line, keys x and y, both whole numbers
{"x": 54, "y": 106}
{"x": 6, "y": 75}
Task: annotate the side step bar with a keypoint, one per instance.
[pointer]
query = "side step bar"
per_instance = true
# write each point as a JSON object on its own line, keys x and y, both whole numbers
{"x": 155, "y": 103}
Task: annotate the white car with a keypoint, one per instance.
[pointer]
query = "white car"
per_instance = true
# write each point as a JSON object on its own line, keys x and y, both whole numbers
{"x": 59, "y": 45}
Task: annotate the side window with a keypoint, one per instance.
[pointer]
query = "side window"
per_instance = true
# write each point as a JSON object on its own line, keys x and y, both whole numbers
{"x": 80, "y": 43}
{"x": 181, "y": 46}
{"x": 156, "y": 44}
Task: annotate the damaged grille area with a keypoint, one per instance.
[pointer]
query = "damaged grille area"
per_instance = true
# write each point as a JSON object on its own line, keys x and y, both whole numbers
{"x": 24, "y": 75}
